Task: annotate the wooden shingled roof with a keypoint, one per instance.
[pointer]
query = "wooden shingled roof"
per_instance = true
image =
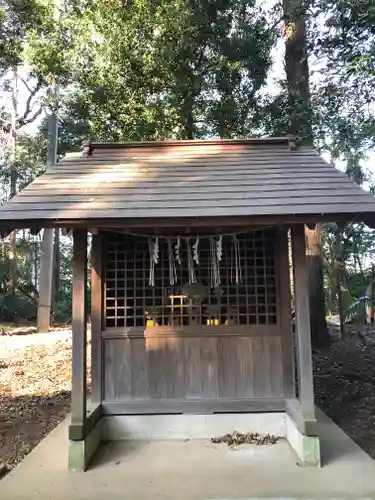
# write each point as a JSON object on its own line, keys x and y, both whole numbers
{"x": 262, "y": 179}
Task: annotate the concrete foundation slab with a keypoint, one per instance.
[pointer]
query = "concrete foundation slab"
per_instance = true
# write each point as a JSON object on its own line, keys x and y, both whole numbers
{"x": 150, "y": 427}
{"x": 194, "y": 470}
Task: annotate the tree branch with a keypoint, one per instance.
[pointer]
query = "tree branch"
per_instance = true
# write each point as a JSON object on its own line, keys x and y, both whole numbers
{"x": 32, "y": 94}
{"x": 21, "y": 122}
{"x": 25, "y": 119}
{"x": 5, "y": 121}
{"x": 26, "y": 84}
{"x": 27, "y": 293}
{"x": 276, "y": 23}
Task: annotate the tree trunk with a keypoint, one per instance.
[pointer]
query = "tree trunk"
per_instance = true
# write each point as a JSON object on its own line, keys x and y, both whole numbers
{"x": 12, "y": 256}
{"x": 300, "y": 125}
{"x": 297, "y": 70}
{"x": 187, "y": 118}
{"x": 340, "y": 276}
{"x": 56, "y": 264}
{"x": 47, "y": 258}
{"x": 318, "y": 323}
{"x": 372, "y": 294}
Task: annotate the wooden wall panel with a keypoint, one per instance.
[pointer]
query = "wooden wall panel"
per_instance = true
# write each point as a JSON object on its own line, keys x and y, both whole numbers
{"x": 140, "y": 369}
{"x": 245, "y": 367}
{"x": 117, "y": 365}
{"x": 208, "y": 368}
{"x": 276, "y": 375}
{"x": 227, "y": 366}
{"x": 157, "y": 367}
{"x": 174, "y": 367}
{"x": 193, "y": 368}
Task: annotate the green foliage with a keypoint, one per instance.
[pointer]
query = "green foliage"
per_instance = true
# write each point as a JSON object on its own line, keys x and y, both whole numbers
{"x": 62, "y": 307}
{"x": 183, "y": 69}
{"x": 358, "y": 283}
{"x": 29, "y": 162}
{"x": 21, "y": 303}
{"x": 348, "y": 37}
{"x": 346, "y": 251}
{"x": 17, "y": 19}
{"x": 136, "y": 70}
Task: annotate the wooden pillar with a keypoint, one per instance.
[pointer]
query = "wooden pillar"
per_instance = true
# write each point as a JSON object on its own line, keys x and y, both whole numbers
{"x": 284, "y": 290}
{"x": 79, "y": 330}
{"x": 301, "y": 297}
{"x": 96, "y": 318}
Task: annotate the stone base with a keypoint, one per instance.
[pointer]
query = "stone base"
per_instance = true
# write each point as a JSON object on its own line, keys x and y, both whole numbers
{"x": 81, "y": 452}
{"x": 161, "y": 427}
{"x": 307, "y": 448}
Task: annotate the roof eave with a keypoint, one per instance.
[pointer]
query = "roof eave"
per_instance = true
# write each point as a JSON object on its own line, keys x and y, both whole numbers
{"x": 7, "y": 226}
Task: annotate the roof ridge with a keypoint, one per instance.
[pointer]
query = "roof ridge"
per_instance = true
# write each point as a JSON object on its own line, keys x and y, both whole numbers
{"x": 89, "y": 146}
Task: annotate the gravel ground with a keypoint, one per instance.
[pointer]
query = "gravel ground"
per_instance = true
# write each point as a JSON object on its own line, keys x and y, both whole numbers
{"x": 35, "y": 384}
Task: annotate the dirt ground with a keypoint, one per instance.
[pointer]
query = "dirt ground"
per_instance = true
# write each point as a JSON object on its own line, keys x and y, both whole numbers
{"x": 35, "y": 373}
{"x": 344, "y": 376}
{"x": 35, "y": 385}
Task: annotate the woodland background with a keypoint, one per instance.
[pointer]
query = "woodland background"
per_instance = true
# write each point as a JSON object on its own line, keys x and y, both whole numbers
{"x": 130, "y": 70}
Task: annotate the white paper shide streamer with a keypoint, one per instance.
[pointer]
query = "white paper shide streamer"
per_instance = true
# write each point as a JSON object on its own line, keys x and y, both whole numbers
{"x": 196, "y": 251}
{"x": 216, "y": 253}
{"x": 177, "y": 250}
{"x": 193, "y": 258}
{"x": 153, "y": 246}
{"x": 192, "y": 278}
{"x": 236, "y": 261}
{"x": 172, "y": 263}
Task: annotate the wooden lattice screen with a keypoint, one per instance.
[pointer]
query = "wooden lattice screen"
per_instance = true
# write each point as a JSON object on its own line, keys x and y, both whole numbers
{"x": 131, "y": 302}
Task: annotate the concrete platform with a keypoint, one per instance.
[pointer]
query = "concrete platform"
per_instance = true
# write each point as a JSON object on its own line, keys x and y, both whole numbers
{"x": 194, "y": 469}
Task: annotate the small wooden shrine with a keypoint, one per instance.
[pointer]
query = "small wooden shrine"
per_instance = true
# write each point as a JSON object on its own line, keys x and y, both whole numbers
{"x": 190, "y": 274}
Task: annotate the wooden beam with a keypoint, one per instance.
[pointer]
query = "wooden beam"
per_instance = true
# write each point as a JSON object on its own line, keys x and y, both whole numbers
{"x": 283, "y": 267}
{"x": 208, "y": 222}
{"x": 96, "y": 317}
{"x": 79, "y": 329}
{"x": 197, "y": 406}
{"x": 301, "y": 297}
{"x": 191, "y": 331}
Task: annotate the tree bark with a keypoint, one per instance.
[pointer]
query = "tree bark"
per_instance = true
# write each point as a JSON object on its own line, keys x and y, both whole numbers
{"x": 340, "y": 276}
{"x": 47, "y": 258}
{"x": 297, "y": 70}
{"x": 372, "y": 293}
{"x": 187, "y": 118}
{"x": 300, "y": 126}
{"x": 12, "y": 256}
{"x": 56, "y": 265}
{"x": 318, "y": 323}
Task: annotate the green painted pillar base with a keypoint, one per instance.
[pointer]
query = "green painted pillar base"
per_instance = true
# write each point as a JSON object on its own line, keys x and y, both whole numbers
{"x": 310, "y": 451}
{"x": 81, "y": 452}
{"x": 307, "y": 448}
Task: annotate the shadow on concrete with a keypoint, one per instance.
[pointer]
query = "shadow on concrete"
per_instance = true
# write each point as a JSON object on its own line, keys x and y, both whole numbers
{"x": 335, "y": 445}
{"x": 115, "y": 453}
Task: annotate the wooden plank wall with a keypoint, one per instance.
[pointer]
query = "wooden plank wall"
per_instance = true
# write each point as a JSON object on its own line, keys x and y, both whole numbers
{"x": 163, "y": 369}
{"x": 193, "y": 367}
